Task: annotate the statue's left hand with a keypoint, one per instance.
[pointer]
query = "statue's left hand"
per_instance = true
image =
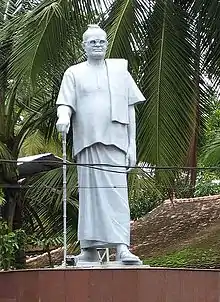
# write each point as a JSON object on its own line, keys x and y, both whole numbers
{"x": 131, "y": 157}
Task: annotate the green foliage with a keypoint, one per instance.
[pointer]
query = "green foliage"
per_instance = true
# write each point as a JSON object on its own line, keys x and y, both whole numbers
{"x": 207, "y": 184}
{"x": 188, "y": 257}
{"x": 211, "y": 154}
{"x": 45, "y": 242}
{"x": 212, "y": 123}
{"x": 144, "y": 194}
{"x": 44, "y": 207}
{"x": 36, "y": 143}
{"x": 144, "y": 204}
{"x": 10, "y": 242}
{"x": 210, "y": 140}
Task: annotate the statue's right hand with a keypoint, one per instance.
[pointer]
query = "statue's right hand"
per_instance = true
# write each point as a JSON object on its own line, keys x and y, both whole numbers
{"x": 63, "y": 125}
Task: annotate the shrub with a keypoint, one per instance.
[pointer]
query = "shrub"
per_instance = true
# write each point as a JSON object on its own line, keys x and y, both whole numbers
{"x": 207, "y": 184}
{"x": 10, "y": 242}
{"x": 146, "y": 203}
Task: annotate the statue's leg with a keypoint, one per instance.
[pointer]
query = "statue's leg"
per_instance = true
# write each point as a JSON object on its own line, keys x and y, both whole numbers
{"x": 125, "y": 256}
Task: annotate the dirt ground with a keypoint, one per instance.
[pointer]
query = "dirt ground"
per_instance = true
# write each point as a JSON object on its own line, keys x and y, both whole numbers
{"x": 171, "y": 226}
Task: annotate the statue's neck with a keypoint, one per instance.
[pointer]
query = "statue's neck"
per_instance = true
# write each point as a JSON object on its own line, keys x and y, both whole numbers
{"x": 93, "y": 62}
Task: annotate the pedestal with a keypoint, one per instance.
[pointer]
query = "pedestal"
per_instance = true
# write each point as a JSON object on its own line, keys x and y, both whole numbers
{"x": 136, "y": 284}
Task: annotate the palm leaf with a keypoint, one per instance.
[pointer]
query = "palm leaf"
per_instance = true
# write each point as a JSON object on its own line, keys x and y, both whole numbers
{"x": 42, "y": 36}
{"x": 125, "y": 33}
{"x": 45, "y": 198}
{"x": 141, "y": 180}
{"x": 36, "y": 144}
{"x": 48, "y": 186}
{"x": 210, "y": 45}
{"x": 166, "y": 120}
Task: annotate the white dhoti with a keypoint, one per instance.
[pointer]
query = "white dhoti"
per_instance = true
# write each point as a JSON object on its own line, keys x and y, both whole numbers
{"x": 104, "y": 216}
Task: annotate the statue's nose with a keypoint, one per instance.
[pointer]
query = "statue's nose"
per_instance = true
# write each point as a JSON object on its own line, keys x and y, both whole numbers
{"x": 98, "y": 47}
{"x": 98, "y": 43}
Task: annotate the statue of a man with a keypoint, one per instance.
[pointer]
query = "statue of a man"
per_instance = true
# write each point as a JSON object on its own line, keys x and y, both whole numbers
{"x": 101, "y": 94}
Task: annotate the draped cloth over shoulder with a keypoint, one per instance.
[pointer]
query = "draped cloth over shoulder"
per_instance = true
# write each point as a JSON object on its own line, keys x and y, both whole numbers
{"x": 123, "y": 90}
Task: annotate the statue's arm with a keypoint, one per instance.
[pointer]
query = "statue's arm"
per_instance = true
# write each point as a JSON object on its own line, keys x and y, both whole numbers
{"x": 66, "y": 102}
{"x": 131, "y": 154}
{"x": 64, "y": 114}
{"x": 134, "y": 97}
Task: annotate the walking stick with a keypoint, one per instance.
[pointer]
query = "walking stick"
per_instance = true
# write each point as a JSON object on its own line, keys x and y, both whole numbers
{"x": 64, "y": 198}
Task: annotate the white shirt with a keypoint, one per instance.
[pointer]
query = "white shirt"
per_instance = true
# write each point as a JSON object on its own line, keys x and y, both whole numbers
{"x": 87, "y": 92}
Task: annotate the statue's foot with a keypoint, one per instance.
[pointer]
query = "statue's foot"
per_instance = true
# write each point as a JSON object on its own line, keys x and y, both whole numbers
{"x": 126, "y": 257}
{"x": 87, "y": 255}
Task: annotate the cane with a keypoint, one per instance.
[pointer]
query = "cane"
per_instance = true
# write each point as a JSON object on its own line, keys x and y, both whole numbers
{"x": 64, "y": 198}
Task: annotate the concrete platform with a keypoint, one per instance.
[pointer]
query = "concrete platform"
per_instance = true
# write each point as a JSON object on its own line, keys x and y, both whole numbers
{"x": 127, "y": 284}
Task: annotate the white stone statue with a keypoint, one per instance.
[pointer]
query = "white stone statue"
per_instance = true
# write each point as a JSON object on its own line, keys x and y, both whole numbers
{"x": 101, "y": 94}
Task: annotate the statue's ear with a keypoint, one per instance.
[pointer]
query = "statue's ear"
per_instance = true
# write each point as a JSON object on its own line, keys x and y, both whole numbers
{"x": 83, "y": 45}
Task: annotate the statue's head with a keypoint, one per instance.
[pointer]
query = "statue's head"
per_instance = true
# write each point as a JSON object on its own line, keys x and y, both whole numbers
{"x": 95, "y": 42}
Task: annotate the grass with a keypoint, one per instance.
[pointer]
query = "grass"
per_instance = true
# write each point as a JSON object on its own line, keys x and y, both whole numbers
{"x": 190, "y": 257}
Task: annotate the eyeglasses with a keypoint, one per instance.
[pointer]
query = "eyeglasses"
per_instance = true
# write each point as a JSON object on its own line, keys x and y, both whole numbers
{"x": 95, "y": 42}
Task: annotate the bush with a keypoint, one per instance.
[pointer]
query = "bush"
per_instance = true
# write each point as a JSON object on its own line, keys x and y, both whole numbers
{"x": 146, "y": 203}
{"x": 207, "y": 184}
{"x": 10, "y": 242}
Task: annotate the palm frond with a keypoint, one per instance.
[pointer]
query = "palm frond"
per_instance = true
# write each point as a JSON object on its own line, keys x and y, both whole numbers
{"x": 140, "y": 181}
{"x": 45, "y": 198}
{"x": 48, "y": 186}
{"x": 42, "y": 36}
{"x": 47, "y": 225}
{"x": 124, "y": 27}
{"x": 165, "y": 122}
{"x": 36, "y": 143}
{"x": 210, "y": 43}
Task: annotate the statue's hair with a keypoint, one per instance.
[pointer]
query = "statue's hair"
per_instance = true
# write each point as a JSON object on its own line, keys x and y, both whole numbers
{"x": 92, "y": 28}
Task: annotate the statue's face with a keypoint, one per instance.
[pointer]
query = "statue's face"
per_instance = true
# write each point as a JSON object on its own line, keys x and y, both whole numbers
{"x": 95, "y": 45}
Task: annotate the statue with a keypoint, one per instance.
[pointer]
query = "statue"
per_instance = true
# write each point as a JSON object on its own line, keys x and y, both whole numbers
{"x": 101, "y": 94}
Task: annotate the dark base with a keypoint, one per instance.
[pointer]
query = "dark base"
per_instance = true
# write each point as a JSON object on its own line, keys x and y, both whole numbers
{"x": 110, "y": 285}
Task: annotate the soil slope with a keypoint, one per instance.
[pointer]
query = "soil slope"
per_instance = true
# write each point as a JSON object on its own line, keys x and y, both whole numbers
{"x": 173, "y": 226}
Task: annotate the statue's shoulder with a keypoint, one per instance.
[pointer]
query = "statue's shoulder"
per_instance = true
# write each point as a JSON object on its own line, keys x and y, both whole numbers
{"x": 76, "y": 68}
{"x": 117, "y": 63}
{"x": 116, "y": 60}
